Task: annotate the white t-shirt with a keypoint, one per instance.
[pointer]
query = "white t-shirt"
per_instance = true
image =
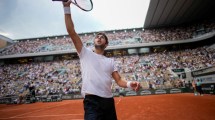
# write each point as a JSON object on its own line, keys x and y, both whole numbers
{"x": 96, "y": 73}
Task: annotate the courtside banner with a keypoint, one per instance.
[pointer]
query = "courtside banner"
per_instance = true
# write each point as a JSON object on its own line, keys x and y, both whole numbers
{"x": 77, "y": 96}
{"x": 160, "y": 92}
{"x": 145, "y": 92}
{"x": 131, "y": 93}
{"x": 116, "y": 94}
{"x": 175, "y": 90}
{"x": 67, "y": 97}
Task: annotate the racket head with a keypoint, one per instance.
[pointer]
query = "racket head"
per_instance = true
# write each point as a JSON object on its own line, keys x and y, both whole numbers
{"x": 85, "y": 5}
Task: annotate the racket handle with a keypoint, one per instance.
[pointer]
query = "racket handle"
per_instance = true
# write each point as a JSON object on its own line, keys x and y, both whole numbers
{"x": 61, "y": 0}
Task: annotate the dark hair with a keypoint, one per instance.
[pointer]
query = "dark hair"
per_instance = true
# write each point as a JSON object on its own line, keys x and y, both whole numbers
{"x": 103, "y": 34}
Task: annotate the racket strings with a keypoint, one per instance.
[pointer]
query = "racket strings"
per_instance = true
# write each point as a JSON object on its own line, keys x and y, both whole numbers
{"x": 84, "y": 4}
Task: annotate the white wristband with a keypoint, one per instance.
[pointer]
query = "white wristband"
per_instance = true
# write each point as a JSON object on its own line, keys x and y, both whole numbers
{"x": 129, "y": 84}
{"x": 67, "y": 10}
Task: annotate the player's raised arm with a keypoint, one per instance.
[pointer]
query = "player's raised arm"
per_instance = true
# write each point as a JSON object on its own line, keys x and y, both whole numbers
{"x": 70, "y": 27}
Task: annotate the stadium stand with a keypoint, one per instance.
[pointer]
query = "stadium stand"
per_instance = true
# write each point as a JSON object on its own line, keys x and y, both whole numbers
{"x": 59, "y": 77}
{"x": 117, "y": 37}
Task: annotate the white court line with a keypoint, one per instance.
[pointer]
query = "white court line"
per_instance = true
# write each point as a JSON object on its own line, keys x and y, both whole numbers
{"x": 52, "y": 115}
{"x": 44, "y": 116}
{"x": 37, "y": 110}
{"x": 11, "y": 109}
{"x": 24, "y": 118}
{"x": 8, "y": 109}
{"x": 48, "y": 116}
{"x": 120, "y": 98}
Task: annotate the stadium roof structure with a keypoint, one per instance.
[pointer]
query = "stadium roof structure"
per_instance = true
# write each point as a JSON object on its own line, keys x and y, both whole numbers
{"x": 163, "y": 13}
{"x": 3, "y": 38}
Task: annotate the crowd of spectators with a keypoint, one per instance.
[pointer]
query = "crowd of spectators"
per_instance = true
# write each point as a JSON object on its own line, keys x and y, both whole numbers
{"x": 39, "y": 45}
{"x": 47, "y": 77}
{"x": 153, "y": 70}
{"x": 177, "y": 33}
{"x": 117, "y": 37}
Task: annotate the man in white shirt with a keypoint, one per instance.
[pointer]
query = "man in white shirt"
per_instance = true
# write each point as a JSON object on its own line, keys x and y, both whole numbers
{"x": 97, "y": 73}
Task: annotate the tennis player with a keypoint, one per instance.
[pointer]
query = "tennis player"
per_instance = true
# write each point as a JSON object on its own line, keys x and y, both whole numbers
{"x": 97, "y": 73}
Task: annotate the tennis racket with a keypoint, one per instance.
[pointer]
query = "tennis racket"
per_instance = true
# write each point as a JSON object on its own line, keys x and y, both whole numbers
{"x": 85, "y": 5}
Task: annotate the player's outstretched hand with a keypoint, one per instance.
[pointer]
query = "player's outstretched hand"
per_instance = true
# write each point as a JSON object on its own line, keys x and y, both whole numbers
{"x": 135, "y": 85}
{"x": 67, "y": 4}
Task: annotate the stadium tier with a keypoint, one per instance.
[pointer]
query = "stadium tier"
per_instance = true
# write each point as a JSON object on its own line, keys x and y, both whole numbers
{"x": 117, "y": 39}
{"x": 167, "y": 62}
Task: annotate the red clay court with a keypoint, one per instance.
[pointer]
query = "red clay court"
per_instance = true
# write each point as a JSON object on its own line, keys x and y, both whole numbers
{"x": 184, "y": 106}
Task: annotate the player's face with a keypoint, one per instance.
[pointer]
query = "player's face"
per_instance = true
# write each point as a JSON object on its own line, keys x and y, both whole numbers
{"x": 100, "y": 41}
